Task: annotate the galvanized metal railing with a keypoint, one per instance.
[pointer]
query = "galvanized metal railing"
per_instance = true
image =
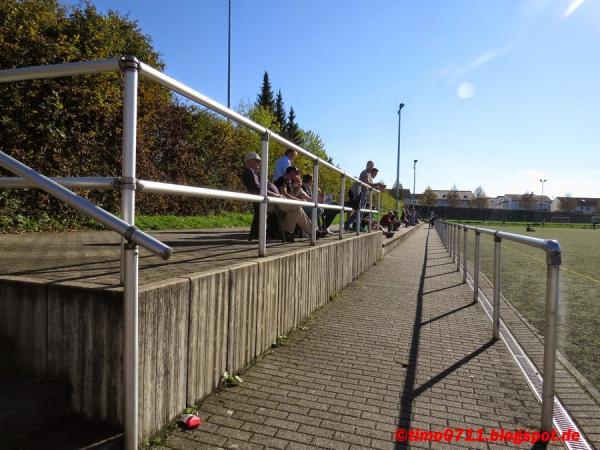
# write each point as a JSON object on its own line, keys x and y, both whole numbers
{"x": 450, "y": 235}
{"x": 128, "y": 184}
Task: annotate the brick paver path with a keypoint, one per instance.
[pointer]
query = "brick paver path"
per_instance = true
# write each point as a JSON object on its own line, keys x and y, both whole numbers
{"x": 402, "y": 346}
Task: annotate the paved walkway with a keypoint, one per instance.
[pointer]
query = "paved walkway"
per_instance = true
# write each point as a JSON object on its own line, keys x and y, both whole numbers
{"x": 403, "y": 346}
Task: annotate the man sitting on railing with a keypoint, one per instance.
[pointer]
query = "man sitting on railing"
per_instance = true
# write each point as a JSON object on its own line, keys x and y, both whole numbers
{"x": 293, "y": 215}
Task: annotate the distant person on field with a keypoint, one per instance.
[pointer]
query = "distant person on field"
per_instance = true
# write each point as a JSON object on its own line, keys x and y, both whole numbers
{"x": 284, "y": 162}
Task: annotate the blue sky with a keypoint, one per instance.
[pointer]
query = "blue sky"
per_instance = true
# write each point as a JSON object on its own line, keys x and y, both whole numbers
{"x": 497, "y": 93}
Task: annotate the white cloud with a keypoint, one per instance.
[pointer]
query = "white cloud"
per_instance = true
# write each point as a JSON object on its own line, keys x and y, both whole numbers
{"x": 575, "y": 4}
{"x": 465, "y": 90}
{"x": 455, "y": 71}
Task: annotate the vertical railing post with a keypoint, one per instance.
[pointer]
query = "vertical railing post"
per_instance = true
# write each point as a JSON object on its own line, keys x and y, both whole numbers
{"x": 446, "y": 231}
{"x": 263, "y": 206}
{"x": 476, "y": 267}
{"x": 450, "y": 239}
{"x": 130, "y": 66}
{"x": 553, "y": 261}
{"x": 453, "y": 241}
{"x": 315, "y": 199}
{"x": 370, "y": 209}
{"x": 379, "y": 205}
{"x": 465, "y": 255}
{"x": 358, "y": 215}
{"x": 457, "y": 248}
{"x": 497, "y": 287}
{"x": 342, "y": 204}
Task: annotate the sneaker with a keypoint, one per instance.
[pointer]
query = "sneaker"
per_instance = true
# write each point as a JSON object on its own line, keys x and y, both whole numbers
{"x": 289, "y": 237}
{"x": 329, "y": 231}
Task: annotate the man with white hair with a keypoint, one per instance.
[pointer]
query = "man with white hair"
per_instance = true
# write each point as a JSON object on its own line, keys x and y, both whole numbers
{"x": 293, "y": 215}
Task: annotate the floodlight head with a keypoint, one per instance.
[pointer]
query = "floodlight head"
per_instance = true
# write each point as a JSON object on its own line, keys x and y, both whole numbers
{"x": 400, "y": 107}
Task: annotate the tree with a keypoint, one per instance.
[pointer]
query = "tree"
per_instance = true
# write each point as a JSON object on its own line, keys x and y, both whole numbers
{"x": 292, "y": 130}
{"x": 429, "y": 198}
{"x": 568, "y": 203}
{"x": 265, "y": 96}
{"x": 279, "y": 112}
{"x": 453, "y": 197}
{"x": 527, "y": 201}
{"x": 480, "y": 200}
{"x": 67, "y": 126}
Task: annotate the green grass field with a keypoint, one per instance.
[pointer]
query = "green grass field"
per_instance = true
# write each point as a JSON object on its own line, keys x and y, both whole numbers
{"x": 524, "y": 281}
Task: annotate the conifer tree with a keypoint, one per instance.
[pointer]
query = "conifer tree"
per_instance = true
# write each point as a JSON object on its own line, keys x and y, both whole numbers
{"x": 265, "y": 96}
{"x": 292, "y": 128}
{"x": 280, "y": 111}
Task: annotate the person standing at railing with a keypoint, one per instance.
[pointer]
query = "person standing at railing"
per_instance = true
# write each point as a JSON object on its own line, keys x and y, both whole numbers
{"x": 354, "y": 200}
{"x": 365, "y": 177}
{"x": 293, "y": 215}
{"x": 283, "y": 163}
{"x": 284, "y": 185}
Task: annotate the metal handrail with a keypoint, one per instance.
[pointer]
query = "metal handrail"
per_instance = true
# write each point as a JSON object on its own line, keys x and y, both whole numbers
{"x": 129, "y": 232}
{"x": 131, "y": 67}
{"x": 60, "y": 70}
{"x": 450, "y": 233}
{"x": 149, "y": 72}
{"x": 95, "y": 183}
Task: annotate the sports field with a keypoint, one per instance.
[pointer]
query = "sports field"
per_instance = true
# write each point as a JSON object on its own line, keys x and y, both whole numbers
{"x": 524, "y": 281}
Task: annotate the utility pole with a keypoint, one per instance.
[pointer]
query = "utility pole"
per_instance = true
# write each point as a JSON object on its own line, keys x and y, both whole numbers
{"x": 414, "y": 187}
{"x": 229, "y": 58}
{"x": 398, "y": 160}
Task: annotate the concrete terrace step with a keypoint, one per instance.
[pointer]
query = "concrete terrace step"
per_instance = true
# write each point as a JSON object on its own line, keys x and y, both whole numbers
{"x": 72, "y": 433}
{"x": 27, "y": 406}
{"x": 34, "y": 415}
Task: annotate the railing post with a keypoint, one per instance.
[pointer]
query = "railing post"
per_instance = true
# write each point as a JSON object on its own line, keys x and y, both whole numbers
{"x": 452, "y": 241}
{"x": 379, "y": 205}
{"x": 465, "y": 255}
{"x": 476, "y": 267}
{"x": 457, "y": 248}
{"x": 315, "y": 199}
{"x": 370, "y": 209}
{"x": 553, "y": 261}
{"x": 497, "y": 287}
{"x": 130, "y": 67}
{"x": 342, "y": 203}
{"x": 358, "y": 216}
{"x": 263, "y": 206}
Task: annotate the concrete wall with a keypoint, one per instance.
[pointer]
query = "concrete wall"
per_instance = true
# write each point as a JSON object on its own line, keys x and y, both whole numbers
{"x": 191, "y": 328}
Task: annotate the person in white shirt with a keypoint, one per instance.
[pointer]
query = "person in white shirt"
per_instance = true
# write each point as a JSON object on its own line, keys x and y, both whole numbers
{"x": 283, "y": 163}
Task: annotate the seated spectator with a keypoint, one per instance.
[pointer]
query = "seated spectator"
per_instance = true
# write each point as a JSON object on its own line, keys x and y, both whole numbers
{"x": 285, "y": 186}
{"x": 326, "y": 216}
{"x": 387, "y": 221}
{"x": 293, "y": 215}
{"x": 300, "y": 193}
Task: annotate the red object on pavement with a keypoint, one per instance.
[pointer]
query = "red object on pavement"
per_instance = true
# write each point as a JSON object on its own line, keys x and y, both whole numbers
{"x": 191, "y": 421}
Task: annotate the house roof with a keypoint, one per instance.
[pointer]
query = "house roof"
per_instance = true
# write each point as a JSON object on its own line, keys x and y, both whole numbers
{"x": 517, "y": 197}
{"x": 441, "y": 194}
{"x": 589, "y": 201}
